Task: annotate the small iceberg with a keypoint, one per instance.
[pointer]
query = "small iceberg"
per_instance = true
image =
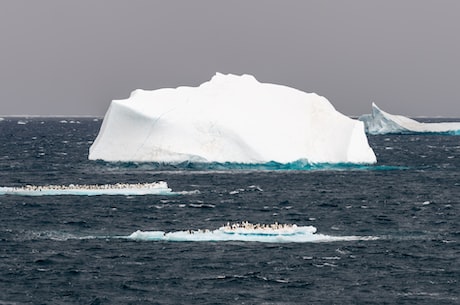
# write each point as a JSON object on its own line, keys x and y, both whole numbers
{"x": 155, "y": 188}
{"x": 381, "y": 122}
{"x": 246, "y": 232}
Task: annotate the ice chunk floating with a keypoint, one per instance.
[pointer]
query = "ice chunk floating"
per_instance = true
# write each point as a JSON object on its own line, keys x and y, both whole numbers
{"x": 155, "y": 188}
{"x": 229, "y": 119}
{"x": 380, "y": 122}
{"x": 274, "y": 233}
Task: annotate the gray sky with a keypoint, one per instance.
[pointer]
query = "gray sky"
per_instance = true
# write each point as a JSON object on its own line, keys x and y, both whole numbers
{"x": 73, "y": 57}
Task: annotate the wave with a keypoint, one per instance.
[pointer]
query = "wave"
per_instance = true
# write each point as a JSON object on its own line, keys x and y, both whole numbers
{"x": 155, "y": 188}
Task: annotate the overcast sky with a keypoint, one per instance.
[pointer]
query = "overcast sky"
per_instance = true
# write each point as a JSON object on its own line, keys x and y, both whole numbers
{"x": 74, "y": 57}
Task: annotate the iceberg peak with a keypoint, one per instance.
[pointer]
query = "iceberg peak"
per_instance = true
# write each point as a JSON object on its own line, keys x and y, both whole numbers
{"x": 221, "y": 81}
{"x": 221, "y": 77}
{"x": 229, "y": 118}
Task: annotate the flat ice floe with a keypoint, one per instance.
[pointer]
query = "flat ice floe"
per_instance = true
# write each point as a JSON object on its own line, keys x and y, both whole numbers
{"x": 381, "y": 122}
{"x": 155, "y": 188}
{"x": 275, "y": 233}
{"x": 229, "y": 119}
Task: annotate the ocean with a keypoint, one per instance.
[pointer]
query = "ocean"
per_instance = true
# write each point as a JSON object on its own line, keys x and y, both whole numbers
{"x": 389, "y": 232}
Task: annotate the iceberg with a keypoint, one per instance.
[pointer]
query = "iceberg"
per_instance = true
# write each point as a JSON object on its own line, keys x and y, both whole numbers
{"x": 381, "y": 122}
{"x": 287, "y": 233}
{"x": 126, "y": 189}
{"x": 232, "y": 119}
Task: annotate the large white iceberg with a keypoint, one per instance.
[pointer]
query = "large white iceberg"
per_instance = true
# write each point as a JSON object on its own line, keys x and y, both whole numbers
{"x": 380, "y": 122}
{"x": 229, "y": 119}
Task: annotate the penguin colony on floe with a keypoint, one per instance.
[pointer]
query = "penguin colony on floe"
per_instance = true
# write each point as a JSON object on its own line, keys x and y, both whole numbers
{"x": 116, "y": 186}
{"x": 249, "y": 226}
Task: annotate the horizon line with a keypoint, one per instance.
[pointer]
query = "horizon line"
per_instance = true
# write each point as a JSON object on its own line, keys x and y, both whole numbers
{"x": 50, "y": 116}
{"x": 102, "y": 116}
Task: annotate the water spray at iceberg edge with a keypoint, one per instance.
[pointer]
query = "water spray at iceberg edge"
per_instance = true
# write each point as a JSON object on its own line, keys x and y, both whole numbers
{"x": 246, "y": 232}
{"x": 127, "y": 189}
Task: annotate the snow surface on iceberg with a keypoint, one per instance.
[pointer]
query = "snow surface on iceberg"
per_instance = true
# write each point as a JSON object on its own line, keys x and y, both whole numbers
{"x": 229, "y": 119}
{"x": 380, "y": 122}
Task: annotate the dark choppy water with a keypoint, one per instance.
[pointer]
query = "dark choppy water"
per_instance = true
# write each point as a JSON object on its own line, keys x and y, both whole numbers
{"x": 64, "y": 250}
